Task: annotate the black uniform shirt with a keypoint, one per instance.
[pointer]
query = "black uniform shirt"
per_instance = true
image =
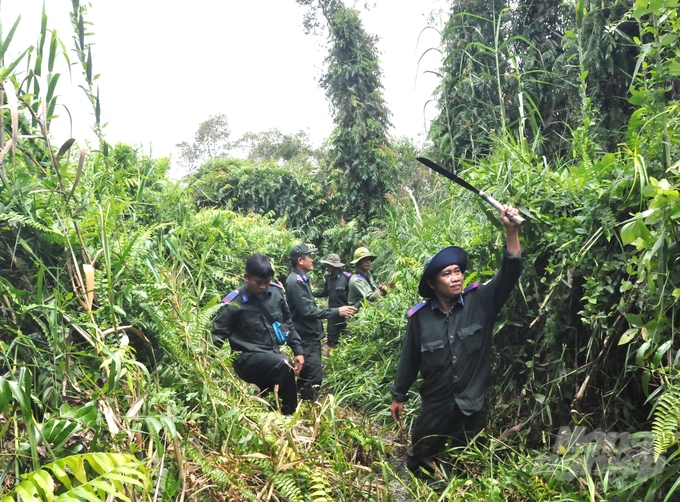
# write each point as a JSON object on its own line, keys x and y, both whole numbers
{"x": 306, "y": 315}
{"x": 453, "y": 352}
{"x": 241, "y": 322}
{"x": 335, "y": 288}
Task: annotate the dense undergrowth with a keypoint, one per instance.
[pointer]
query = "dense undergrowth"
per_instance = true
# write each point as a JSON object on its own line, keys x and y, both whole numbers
{"x": 112, "y": 273}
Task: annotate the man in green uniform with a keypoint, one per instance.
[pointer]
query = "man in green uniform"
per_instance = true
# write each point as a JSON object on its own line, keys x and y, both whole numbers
{"x": 335, "y": 288}
{"x": 243, "y": 322}
{"x": 361, "y": 284}
{"x": 307, "y": 318}
{"x": 448, "y": 340}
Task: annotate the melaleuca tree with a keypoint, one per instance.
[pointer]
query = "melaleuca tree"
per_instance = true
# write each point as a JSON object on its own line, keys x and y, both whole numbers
{"x": 358, "y": 155}
{"x": 211, "y": 141}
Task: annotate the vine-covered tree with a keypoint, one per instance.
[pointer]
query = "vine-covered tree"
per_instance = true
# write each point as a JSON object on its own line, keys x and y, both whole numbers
{"x": 496, "y": 51}
{"x": 359, "y": 154}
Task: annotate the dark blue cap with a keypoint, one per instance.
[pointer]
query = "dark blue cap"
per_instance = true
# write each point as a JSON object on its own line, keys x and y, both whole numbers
{"x": 301, "y": 249}
{"x": 452, "y": 255}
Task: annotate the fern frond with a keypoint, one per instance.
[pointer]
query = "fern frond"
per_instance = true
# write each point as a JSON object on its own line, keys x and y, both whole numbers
{"x": 666, "y": 418}
{"x": 287, "y": 486}
{"x": 116, "y": 474}
{"x": 206, "y": 315}
{"x": 16, "y": 218}
{"x": 319, "y": 487}
{"x": 224, "y": 479}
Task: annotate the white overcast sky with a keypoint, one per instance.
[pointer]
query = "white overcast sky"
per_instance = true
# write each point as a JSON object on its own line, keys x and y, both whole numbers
{"x": 165, "y": 66}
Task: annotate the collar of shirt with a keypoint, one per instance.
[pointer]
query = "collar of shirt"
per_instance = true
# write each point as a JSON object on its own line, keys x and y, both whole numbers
{"x": 436, "y": 304}
{"x": 246, "y": 295}
{"x": 301, "y": 275}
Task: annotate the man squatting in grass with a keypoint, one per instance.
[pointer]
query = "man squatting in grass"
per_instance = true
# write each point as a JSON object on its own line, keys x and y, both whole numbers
{"x": 361, "y": 284}
{"x": 242, "y": 321}
{"x": 448, "y": 339}
{"x": 307, "y": 318}
{"x": 335, "y": 289}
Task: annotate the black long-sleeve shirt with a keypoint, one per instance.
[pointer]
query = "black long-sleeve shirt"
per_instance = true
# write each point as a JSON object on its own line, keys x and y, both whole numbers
{"x": 335, "y": 288}
{"x": 453, "y": 352}
{"x": 304, "y": 311}
{"x": 242, "y": 323}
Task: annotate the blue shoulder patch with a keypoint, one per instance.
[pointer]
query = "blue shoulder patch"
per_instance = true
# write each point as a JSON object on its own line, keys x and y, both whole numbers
{"x": 230, "y": 296}
{"x": 471, "y": 287}
{"x": 276, "y": 285}
{"x": 415, "y": 308}
{"x": 360, "y": 277}
{"x": 347, "y": 274}
{"x": 299, "y": 278}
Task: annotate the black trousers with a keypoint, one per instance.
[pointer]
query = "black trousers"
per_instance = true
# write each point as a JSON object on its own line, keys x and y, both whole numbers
{"x": 311, "y": 375}
{"x": 336, "y": 325}
{"x": 432, "y": 430}
{"x": 266, "y": 370}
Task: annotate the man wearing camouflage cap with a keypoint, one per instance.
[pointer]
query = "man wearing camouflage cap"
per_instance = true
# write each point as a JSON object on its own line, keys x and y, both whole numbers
{"x": 335, "y": 289}
{"x": 361, "y": 284}
{"x": 307, "y": 318}
{"x": 448, "y": 340}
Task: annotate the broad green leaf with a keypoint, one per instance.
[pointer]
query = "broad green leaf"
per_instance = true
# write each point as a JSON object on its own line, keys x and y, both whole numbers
{"x": 138, "y": 480}
{"x": 646, "y": 376}
{"x": 81, "y": 492}
{"x": 60, "y": 473}
{"x": 27, "y": 492}
{"x": 640, "y": 355}
{"x": 634, "y": 230}
{"x": 628, "y": 336}
{"x": 45, "y": 482}
{"x": 110, "y": 489}
{"x": 101, "y": 463}
{"x": 674, "y": 69}
{"x": 76, "y": 465}
{"x": 634, "y": 320}
{"x": 660, "y": 352}
{"x": 154, "y": 425}
{"x": 169, "y": 426}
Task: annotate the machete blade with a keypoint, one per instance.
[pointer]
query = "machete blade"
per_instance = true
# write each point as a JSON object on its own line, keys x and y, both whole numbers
{"x": 447, "y": 174}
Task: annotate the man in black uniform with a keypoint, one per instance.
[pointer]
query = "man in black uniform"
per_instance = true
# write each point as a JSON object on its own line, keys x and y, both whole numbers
{"x": 307, "y": 318}
{"x": 448, "y": 339}
{"x": 242, "y": 321}
{"x": 335, "y": 288}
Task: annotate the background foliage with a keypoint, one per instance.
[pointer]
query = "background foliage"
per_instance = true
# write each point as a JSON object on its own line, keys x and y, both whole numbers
{"x": 112, "y": 273}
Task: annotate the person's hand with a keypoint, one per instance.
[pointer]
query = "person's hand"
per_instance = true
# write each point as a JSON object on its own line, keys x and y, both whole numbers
{"x": 383, "y": 288}
{"x": 347, "y": 311}
{"x": 298, "y": 363}
{"x": 506, "y": 213}
{"x": 397, "y": 410}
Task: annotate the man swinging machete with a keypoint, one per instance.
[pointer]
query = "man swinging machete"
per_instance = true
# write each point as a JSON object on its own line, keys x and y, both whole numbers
{"x": 448, "y": 341}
